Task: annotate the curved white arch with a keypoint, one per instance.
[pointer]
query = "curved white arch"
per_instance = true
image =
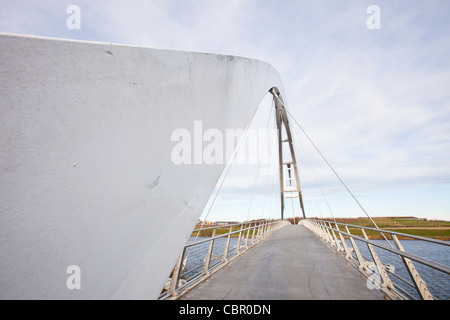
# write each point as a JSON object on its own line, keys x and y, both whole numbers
{"x": 85, "y": 168}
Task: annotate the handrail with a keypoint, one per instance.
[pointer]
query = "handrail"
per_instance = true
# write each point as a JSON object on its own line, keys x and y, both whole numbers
{"x": 423, "y": 261}
{"x": 324, "y": 229}
{"x": 176, "y": 286}
{"x": 230, "y": 225}
{"x": 219, "y": 236}
{"x": 437, "y": 241}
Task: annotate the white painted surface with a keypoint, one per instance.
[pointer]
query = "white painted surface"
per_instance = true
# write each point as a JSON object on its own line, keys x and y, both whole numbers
{"x": 86, "y": 177}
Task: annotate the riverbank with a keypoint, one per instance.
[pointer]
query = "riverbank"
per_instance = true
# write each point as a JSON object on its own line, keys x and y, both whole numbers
{"x": 436, "y": 229}
{"x": 219, "y": 231}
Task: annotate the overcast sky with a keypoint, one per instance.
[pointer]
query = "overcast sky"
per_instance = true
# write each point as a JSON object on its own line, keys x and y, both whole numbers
{"x": 375, "y": 101}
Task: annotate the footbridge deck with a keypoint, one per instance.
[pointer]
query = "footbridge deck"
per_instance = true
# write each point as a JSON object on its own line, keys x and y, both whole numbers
{"x": 292, "y": 263}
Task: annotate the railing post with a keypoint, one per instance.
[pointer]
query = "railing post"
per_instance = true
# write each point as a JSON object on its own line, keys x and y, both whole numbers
{"x": 253, "y": 234}
{"x": 420, "y": 285}
{"x": 176, "y": 275}
{"x": 319, "y": 230}
{"x": 258, "y": 233}
{"x": 246, "y": 237}
{"x": 386, "y": 281}
{"x": 348, "y": 253}
{"x": 227, "y": 246}
{"x": 361, "y": 261}
{"x": 209, "y": 254}
{"x": 238, "y": 243}
{"x": 264, "y": 230}
{"x": 327, "y": 234}
{"x": 335, "y": 240}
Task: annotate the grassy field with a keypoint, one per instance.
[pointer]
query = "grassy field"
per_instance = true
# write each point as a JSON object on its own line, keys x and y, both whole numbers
{"x": 425, "y": 228}
{"x": 396, "y": 222}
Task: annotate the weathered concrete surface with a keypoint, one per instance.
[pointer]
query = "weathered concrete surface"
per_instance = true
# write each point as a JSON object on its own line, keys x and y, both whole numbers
{"x": 86, "y": 173}
{"x": 291, "y": 264}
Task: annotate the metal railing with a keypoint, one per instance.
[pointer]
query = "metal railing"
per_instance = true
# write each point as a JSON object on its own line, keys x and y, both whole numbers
{"x": 386, "y": 263}
{"x": 203, "y": 256}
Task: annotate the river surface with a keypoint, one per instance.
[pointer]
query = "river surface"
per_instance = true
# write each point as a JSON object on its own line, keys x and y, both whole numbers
{"x": 438, "y": 282}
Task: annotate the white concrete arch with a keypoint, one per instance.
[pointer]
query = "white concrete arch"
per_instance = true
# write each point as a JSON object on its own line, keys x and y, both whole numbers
{"x": 86, "y": 177}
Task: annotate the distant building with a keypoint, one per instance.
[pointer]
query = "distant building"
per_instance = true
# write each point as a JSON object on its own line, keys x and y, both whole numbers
{"x": 395, "y": 217}
{"x": 224, "y": 223}
{"x": 203, "y": 223}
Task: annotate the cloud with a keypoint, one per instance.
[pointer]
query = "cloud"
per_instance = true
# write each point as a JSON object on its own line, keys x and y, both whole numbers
{"x": 376, "y": 102}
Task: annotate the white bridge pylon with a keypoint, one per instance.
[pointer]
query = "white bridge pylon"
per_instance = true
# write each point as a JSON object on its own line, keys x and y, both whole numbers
{"x": 290, "y": 186}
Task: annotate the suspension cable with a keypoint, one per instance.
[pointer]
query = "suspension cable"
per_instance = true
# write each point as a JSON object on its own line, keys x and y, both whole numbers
{"x": 314, "y": 173}
{"x": 334, "y": 171}
{"x": 259, "y": 161}
{"x": 230, "y": 164}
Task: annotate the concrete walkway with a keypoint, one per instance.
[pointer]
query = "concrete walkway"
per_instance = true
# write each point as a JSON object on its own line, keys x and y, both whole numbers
{"x": 291, "y": 264}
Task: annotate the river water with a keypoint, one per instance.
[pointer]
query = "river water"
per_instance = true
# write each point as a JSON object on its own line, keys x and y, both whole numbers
{"x": 438, "y": 282}
{"x": 195, "y": 255}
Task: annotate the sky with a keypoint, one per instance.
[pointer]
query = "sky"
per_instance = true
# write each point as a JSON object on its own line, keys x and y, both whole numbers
{"x": 376, "y": 102}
